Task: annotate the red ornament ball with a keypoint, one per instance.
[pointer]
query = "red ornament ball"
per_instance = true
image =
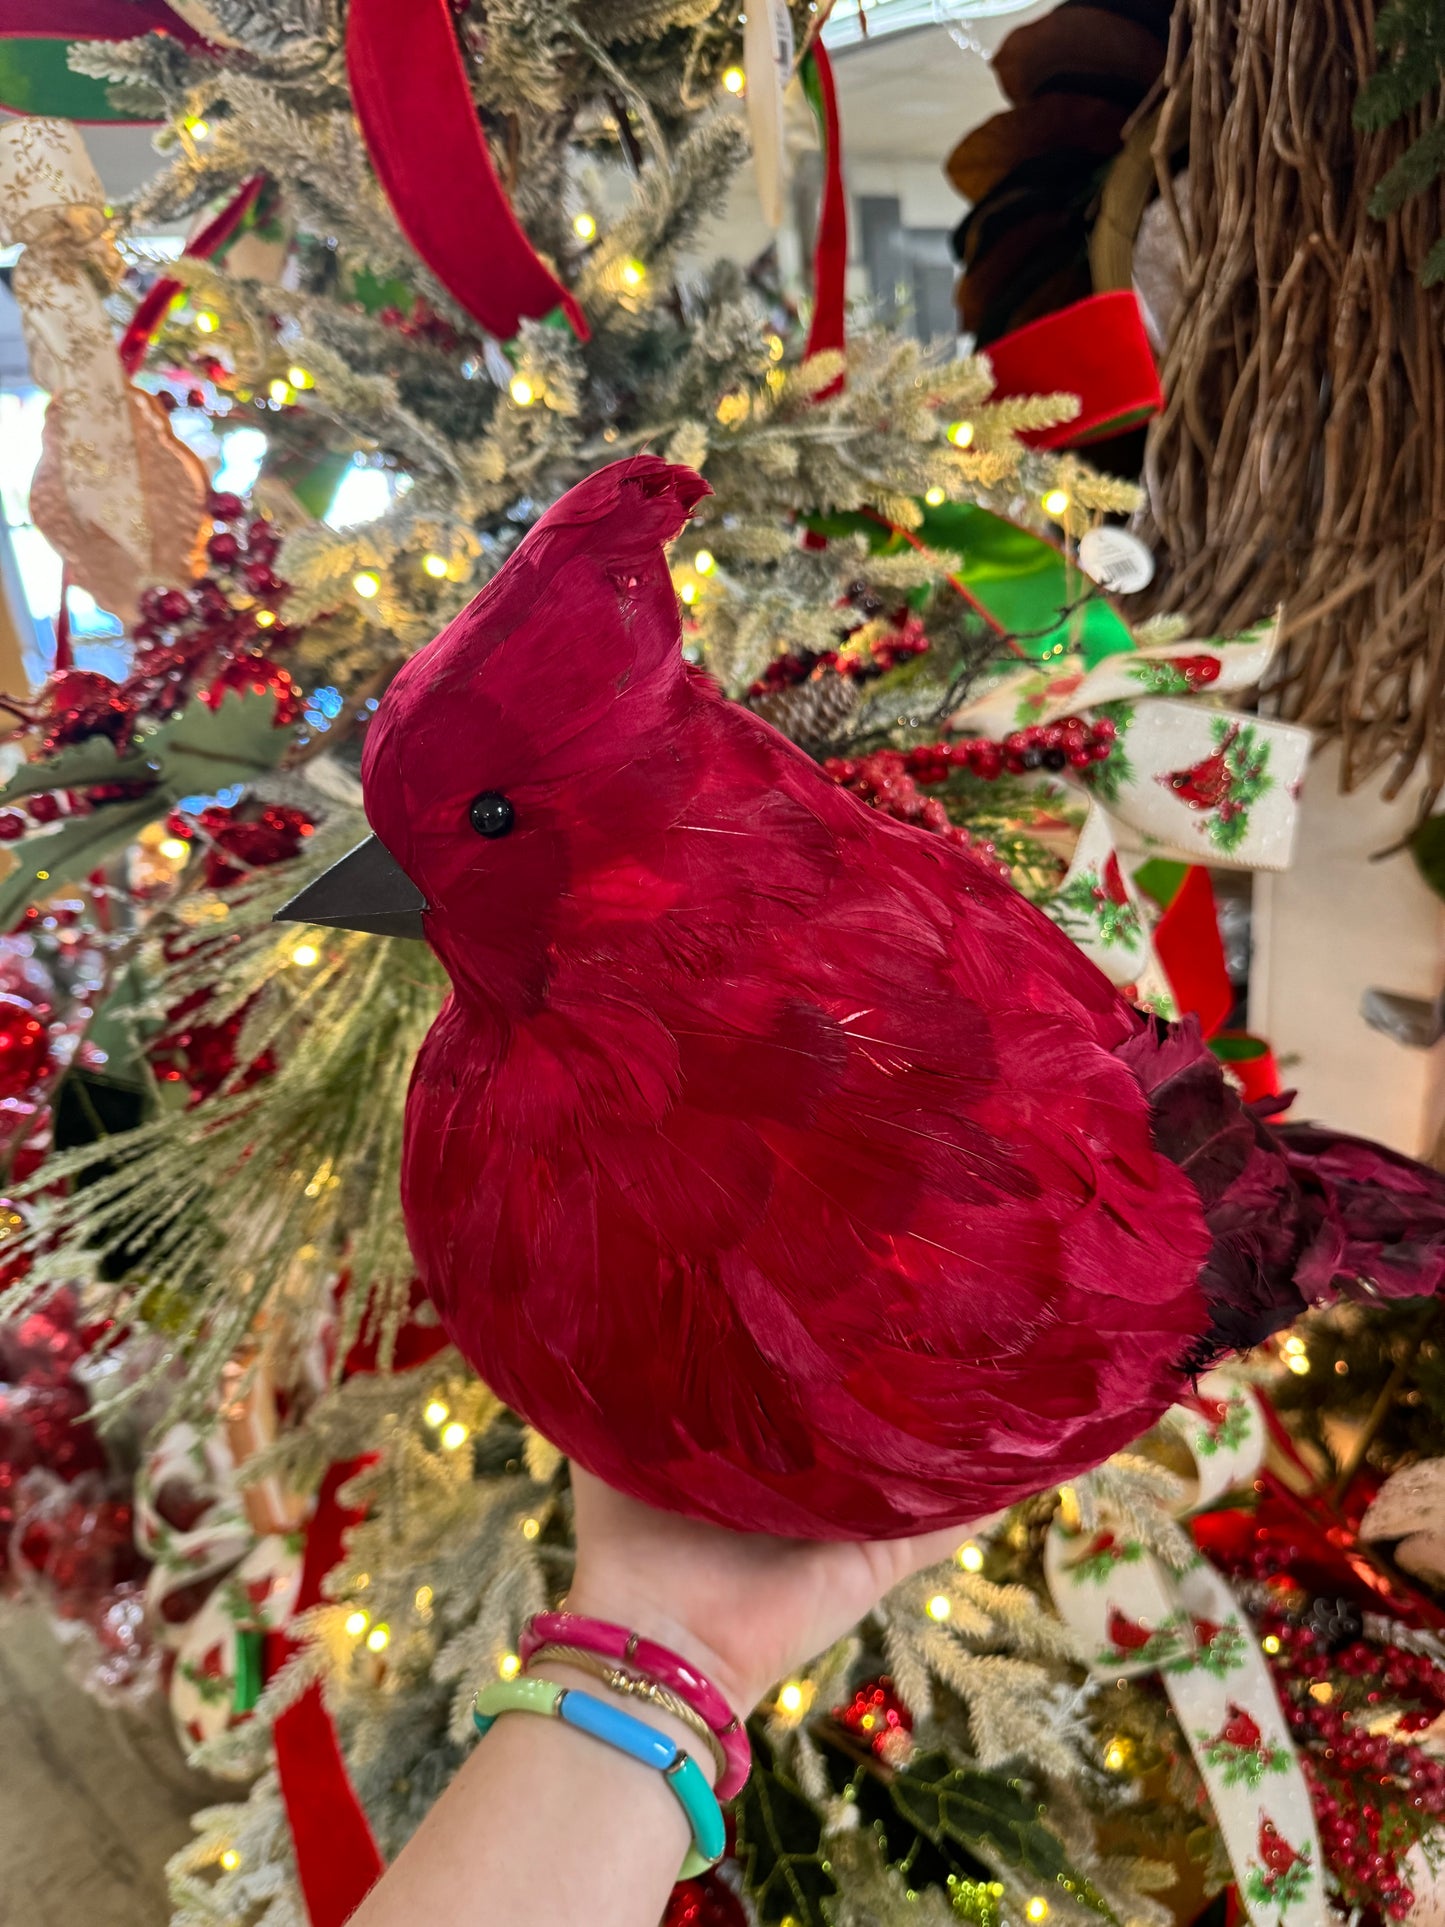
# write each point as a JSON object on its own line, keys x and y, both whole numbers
{"x": 706, "y": 1902}
{"x": 24, "y": 1046}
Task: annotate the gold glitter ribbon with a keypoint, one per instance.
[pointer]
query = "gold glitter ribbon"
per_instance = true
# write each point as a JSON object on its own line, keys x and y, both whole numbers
{"x": 115, "y": 493}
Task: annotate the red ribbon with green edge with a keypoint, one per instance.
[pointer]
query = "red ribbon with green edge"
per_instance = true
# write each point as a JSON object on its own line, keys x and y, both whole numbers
{"x": 414, "y": 103}
{"x": 337, "y": 1858}
{"x": 827, "y": 331}
{"x": 1097, "y": 349}
{"x": 1252, "y": 1062}
{"x": 35, "y": 38}
{"x": 1187, "y": 941}
{"x": 1019, "y": 582}
{"x": 246, "y": 209}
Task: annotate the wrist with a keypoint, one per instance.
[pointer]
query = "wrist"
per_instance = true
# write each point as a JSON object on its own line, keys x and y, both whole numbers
{"x": 623, "y": 1603}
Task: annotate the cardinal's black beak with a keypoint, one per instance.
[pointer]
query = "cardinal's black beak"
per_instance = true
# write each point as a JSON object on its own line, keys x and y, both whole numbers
{"x": 366, "y": 890}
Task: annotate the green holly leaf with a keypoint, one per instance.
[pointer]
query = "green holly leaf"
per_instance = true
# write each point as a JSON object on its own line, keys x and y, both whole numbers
{"x": 780, "y": 1850}
{"x": 966, "y": 1808}
{"x": 194, "y": 754}
{"x": 67, "y": 851}
{"x": 961, "y": 1809}
{"x": 77, "y": 766}
{"x": 203, "y": 750}
{"x": 36, "y": 78}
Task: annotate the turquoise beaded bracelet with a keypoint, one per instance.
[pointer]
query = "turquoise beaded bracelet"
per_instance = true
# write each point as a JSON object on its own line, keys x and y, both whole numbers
{"x": 634, "y": 1737}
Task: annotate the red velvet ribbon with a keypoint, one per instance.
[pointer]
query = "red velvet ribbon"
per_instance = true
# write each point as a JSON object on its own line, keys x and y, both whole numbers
{"x": 828, "y": 328}
{"x": 1191, "y": 953}
{"x": 337, "y": 1858}
{"x": 1097, "y": 349}
{"x": 92, "y": 20}
{"x": 410, "y": 92}
{"x": 159, "y": 296}
{"x": 64, "y": 652}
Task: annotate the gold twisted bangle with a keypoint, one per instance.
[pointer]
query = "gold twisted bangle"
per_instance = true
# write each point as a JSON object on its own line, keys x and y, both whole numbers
{"x": 634, "y": 1686}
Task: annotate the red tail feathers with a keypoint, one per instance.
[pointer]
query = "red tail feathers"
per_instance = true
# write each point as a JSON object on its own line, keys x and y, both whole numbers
{"x": 1300, "y": 1215}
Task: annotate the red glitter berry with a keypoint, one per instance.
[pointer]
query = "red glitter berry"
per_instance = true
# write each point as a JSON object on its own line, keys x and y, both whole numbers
{"x": 875, "y": 1714}
{"x": 12, "y": 826}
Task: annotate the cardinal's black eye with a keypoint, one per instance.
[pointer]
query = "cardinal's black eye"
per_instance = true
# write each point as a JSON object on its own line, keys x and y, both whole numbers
{"x": 492, "y": 813}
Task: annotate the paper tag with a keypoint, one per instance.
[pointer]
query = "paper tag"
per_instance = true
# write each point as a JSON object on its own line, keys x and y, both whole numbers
{"x": 1116, "y": 560}
{"x": 768, "y": 59}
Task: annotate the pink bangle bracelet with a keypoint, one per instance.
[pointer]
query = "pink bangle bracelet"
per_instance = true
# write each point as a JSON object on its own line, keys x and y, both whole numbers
{"x": 653, "y": 1662}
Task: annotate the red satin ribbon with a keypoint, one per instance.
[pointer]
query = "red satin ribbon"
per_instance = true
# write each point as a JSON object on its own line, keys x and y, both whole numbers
{"x": 410, "y": 92}
{"x": 828, "y": 329}
{"x": 1096, "y": 349}
{"x": 159, "y": 296}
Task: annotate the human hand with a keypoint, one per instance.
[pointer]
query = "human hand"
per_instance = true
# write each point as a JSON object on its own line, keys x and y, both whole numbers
{"x": 744, "y": 1608}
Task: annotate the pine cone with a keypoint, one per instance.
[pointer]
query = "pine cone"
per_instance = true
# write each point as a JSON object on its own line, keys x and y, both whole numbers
{"x": 810, "y": 712}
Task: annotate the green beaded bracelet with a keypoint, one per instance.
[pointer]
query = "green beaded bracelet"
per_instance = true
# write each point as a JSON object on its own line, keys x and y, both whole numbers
{"x": 624, "y": 1734}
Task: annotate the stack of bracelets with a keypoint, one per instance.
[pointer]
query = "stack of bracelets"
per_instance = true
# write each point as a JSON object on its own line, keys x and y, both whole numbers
{"x": 638, "y": 1669}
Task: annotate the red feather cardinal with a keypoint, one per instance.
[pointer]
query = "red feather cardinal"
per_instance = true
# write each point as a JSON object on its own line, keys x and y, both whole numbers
{"x": 774, "y": 1159}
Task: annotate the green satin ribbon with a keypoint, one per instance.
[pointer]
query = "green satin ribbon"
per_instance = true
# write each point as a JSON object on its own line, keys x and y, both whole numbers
{"x": 250, "y": 1646}
{"x": 36, "y": 78}
{"x": 1018, "y": 579}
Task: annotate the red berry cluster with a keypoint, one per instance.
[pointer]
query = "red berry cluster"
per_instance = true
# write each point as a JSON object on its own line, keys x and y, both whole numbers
{"x": 43, "y": 1408}
{"x": 900, "y": 643}
{"x": 875, "y": 1713}
{"x": 1074, "y": 743}
{"x": 243, "y": 839}
{"x": 190, "y": 1050}
{"x": 47, "y": 806}
{"x": 884, "y": 782}
{"x": 204, "y": 1056}
{"x": 423, "y": 324}
{"x": 213, "y": 637}
{"x": 1373, "y": 1793}
{"x": 218, "y": 634}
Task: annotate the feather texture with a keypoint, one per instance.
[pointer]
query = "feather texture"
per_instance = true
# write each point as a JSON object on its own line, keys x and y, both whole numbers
{"x": 776, "y": 1161}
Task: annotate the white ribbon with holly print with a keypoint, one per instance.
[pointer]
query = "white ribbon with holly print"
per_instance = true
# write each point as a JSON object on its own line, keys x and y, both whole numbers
{"x": 1134, "y": 1616}
{"x": 1186, "y": 780}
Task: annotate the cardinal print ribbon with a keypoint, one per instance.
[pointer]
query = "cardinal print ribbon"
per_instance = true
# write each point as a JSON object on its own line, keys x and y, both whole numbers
{"x": 1134, "y": 1616}
{"x": 115, "y": 493}
{"x": 1184, "y": 780}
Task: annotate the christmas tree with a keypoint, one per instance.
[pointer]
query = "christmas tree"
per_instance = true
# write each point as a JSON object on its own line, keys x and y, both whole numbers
{"x": 223, "y": 1172}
